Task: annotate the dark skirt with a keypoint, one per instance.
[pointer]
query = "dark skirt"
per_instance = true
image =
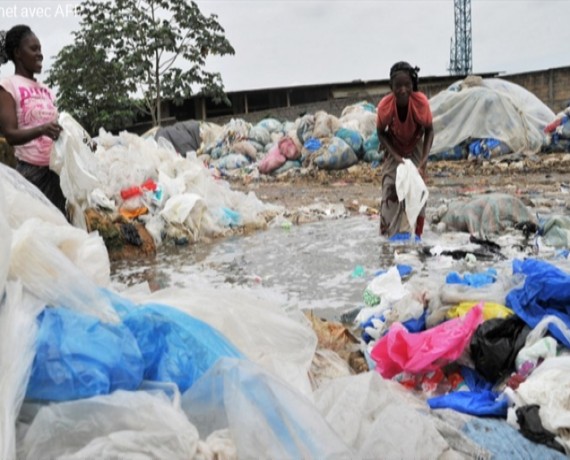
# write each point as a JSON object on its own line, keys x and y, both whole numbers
{"x": 46, "y": 180}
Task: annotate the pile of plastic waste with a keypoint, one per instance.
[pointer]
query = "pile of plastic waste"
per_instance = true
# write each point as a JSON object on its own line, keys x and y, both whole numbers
{"x": 198, "y": 372}
{"x": 320, "y": 139}
{"x": 478, "y": 333}
{"x": 133, "y": 177}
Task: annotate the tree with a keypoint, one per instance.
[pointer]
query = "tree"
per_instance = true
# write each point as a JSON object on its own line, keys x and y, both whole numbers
{"x": 92, "y": 88}
{"x": 125, "y": 53}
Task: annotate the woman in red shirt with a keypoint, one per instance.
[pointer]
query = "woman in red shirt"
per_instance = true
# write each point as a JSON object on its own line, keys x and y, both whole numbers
{"x": 404, "y": 125}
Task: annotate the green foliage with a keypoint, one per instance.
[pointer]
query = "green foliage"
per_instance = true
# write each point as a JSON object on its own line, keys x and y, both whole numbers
{"x": 123, "y": 60}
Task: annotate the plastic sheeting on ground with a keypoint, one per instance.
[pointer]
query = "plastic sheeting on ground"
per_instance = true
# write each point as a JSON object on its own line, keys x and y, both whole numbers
{"x": 121, "y": 425}
{"x": 380, "y": 419}
{"x": 263, "y": 414}
{"x": 486, "y": 215}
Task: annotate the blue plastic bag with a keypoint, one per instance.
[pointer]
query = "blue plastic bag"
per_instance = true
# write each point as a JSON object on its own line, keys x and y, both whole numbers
{"x": 484, "y": 403}
{"x": 489, "y": 276}
{"x": 352, "y": 138}
{"x": 175, "y": 346}
{"x": 480, "y": 400}
{"x": 78, "y": 356}
{"x": 546, "y": 291}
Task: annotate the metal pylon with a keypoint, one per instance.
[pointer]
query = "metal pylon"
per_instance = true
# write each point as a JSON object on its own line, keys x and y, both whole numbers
{"x": 460, "y": 56}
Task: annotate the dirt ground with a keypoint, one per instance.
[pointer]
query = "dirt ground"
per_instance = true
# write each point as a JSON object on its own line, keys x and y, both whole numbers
{"x": 519, "y": 175}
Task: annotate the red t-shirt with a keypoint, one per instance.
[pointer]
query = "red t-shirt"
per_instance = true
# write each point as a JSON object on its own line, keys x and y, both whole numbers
{"x": 404, "y": 135}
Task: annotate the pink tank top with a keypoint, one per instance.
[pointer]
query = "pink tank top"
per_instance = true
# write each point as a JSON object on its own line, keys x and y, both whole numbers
{"x": 35, "y": 105}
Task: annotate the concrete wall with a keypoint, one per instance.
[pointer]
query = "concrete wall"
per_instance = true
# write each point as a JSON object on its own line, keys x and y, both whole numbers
{"x": 551, "y": 86}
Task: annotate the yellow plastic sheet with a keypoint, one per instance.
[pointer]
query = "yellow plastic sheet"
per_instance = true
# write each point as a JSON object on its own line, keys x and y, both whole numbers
{"x": 490, "y": 310}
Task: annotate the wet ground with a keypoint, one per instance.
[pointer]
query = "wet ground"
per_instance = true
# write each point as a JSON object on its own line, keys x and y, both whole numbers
{"x": 326, "y": 264}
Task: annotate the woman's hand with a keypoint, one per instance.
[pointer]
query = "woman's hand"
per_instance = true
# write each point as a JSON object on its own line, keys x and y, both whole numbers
{"x": 52, "y": 130}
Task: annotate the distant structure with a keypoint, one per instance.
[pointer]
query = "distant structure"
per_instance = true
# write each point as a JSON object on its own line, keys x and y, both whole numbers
{"x": 460, "y": 56}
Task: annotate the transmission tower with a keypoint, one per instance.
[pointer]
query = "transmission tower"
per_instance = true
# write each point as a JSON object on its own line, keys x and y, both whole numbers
{"x": 460, "y": 57}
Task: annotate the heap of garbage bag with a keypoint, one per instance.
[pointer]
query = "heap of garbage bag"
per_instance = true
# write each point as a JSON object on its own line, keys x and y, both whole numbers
{"x": 474, "y": 118}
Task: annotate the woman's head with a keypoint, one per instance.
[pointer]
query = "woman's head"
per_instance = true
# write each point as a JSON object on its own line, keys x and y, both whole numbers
{"x": 403, "y": 80}
{"x": 21, "y": 46}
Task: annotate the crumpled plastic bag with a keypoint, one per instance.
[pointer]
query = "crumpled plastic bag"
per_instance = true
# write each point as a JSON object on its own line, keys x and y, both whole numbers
{"x": 121, "y": 425}
{"x": 495, "y": 345}
{"x": 175, "y": 346}
{"x": 546, "y": 291}
{"x": 78, "y": 356}
{"x": 400, "y": 350}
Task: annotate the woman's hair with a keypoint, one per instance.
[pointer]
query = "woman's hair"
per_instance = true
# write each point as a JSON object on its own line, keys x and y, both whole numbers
{"x": 10, "y": 41}
{"x": 405, "y": 67}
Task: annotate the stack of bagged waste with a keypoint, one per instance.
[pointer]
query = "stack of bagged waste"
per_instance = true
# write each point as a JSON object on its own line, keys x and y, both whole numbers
{"x": 130, "y": 178}
{"x": 480, "y": 119}
{"x": 273, "y": 147}
{"x": 475, "y": 118}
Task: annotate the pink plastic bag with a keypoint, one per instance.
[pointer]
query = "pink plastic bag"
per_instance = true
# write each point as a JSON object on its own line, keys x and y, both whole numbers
{"x": 289, "y": 149}
{"x": 273, "y": 160}
{"x": 400, "y": 350}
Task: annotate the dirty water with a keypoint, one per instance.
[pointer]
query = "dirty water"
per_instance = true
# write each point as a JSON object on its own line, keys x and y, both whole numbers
{"x": 323, "y": 265}
{"x": 326, "y": 265}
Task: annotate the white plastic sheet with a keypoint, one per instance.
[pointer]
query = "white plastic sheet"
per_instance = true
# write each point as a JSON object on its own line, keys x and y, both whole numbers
{"x": 75, "y": 163}
{"x": 63, "y": 266}
{"x": 494, "y": 108}
{"x": 266, "y": 417}
{"x": 283, "y": 344}
{"x": 124, "y": 424}
{"x": 24, "y": 200}
{"x": 5, "y": 241}
{"x": 18, "y": 329}
{"x": 379, "y": 419}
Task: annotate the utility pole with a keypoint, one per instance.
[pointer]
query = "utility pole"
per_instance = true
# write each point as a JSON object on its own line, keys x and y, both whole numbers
{"x": 460, "y": 56}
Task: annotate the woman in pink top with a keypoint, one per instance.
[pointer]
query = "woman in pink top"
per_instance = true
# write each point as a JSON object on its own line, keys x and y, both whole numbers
{"x": 28, "y": 116}
{"x": 404, "y": 125}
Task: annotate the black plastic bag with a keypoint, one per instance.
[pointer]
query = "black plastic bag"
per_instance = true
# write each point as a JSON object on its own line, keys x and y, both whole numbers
{"x": 531, "y": 427}
{"x": 495, "y": 345}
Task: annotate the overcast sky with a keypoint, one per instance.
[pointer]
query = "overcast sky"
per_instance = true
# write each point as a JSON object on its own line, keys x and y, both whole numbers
{"x": 302, "y": 42}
